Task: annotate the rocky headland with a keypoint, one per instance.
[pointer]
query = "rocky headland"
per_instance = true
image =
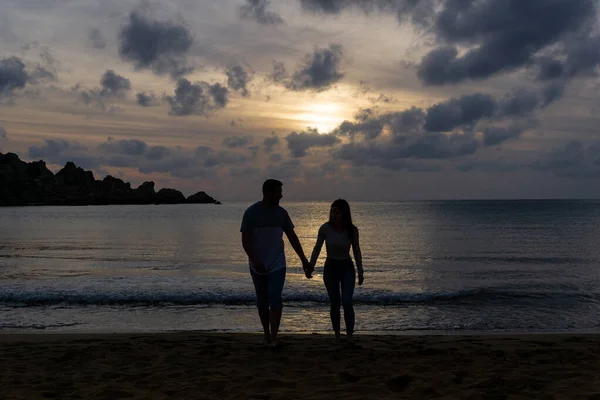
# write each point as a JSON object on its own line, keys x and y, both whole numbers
{"x": 33, "y": 184}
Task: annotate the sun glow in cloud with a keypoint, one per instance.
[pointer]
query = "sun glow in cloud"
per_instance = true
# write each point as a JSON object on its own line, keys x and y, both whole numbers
{"x": 322, "y": 116}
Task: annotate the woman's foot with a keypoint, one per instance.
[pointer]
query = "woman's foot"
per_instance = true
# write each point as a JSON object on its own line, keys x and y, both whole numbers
{"x": 350, "y": 341}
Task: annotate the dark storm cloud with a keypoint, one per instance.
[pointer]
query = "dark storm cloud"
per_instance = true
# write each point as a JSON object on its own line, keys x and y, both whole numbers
{"x": 496, "y": 135}
{"x": 13, "y": 76}
{"x": 500, "y": 35}
{"x": 578, "y": 56}
{"x": 366, "y": 123}
{"x": 96, "y": 39}
{"x": 233, "y": 142}
{"x": 455, "y": 128}
{"x": 258, "y": 10}
{"x": 419, "y": 12}
{"x": 461, "y": 111}
{"x": 113, "y": 84}
{"x": 394, "y": 155}
{"x": 270, "y": 142}
{"x": 479, "y": 39}
{"x": 318, "y": 71}
{"x": 299, "y": 143}
{"x": 237, "y": 79}
{"x": 196, "y": 98}
{"x": 160, "y": 46}
{"x": 145, "y": 99}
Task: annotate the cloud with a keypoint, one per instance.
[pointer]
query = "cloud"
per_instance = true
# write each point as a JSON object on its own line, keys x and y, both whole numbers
{"x": 317, "y": 72}
{"x": 489, "y": 166}
{"x": 248, "y": 173}
{"x": 394, "y": 155}
{"x": 498, "y": 36}
{"x": 285, "y": 170}
{"x": 237, "y": 79}
{"x": 454, "y": 128}
{"x": 96, "y": 39}
{"x": 13, "y": 76}
{"x": 196, "y": 98}
{"x": 573, "y": 159}
{"x": 53, "y": 148}
{"x": 145, "y": 99}
{"x": 299, "y": 143}
{"x": 3, "y": 133}
{"x": 114, "y": 84}
{"x": 160, "y": 46}
{"x": 496, "y": 135}
{"x": 270, "y": 142}
{"x": 461, "y": 111}
{"x": 209, "y": 158}
{"x": 157, "y": 152}
{"x": 580, "y": 55}
{"x": 130, "y": 147}
{"x": 233, "y": 142}
{"x": 253, "y": 152}
{"x": 257, "y": 10}
{"x": 275, "y": 158}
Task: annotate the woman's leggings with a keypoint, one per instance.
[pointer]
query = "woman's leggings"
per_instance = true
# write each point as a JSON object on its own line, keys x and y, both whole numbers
{"x": 340, "y": 274}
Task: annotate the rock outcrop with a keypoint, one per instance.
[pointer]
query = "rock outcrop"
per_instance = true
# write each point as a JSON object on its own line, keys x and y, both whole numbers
{"x": 32, "y": 184}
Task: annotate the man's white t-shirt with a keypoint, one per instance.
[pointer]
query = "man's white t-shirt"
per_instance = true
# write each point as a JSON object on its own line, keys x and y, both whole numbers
{"x": 267, "y": 225}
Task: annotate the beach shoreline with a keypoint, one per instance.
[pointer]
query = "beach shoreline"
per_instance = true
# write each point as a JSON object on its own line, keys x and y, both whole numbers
{"x": 234, "y": 365}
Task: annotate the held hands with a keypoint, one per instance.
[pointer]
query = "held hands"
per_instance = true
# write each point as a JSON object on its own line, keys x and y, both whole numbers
{"x": 361, "y": 279}
{"x": 308, "y": 268}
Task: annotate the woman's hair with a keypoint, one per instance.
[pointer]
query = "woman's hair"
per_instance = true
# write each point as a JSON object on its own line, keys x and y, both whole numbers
{"x": 344, "y": 208}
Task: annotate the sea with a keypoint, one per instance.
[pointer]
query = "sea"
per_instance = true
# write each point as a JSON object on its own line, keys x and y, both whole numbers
{"x": 430, "y": 267}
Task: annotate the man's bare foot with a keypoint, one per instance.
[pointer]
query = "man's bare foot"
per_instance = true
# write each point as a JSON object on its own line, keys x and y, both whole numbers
{"x": 266, "y": 340}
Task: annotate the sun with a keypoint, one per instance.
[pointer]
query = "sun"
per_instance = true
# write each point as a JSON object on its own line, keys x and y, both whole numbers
{"x": 323, "y": 117}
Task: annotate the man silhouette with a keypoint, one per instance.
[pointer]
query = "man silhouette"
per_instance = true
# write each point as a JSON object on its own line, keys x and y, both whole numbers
{"x": 263, "y": 225}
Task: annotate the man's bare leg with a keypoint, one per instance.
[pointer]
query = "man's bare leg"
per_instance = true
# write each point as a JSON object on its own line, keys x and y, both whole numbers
{"x": 263, "y": 313}
{"x": 275, "y": 321}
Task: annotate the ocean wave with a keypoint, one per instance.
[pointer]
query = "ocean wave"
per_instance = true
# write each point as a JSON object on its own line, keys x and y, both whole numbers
{"x": 22, "y": 298}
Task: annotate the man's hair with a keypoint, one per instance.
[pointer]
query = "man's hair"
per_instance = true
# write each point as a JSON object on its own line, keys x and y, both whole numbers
{"x": 270, "y": 185}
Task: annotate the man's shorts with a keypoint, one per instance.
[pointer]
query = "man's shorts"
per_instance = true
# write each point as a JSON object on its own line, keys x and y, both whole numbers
{"x": 268, "y": 288}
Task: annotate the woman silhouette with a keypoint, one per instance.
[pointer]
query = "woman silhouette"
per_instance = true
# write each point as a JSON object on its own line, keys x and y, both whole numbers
{"x": 339, "y": 234}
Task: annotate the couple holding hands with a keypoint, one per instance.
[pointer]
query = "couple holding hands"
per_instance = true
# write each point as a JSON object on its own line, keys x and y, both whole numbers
{"x": 263, "y": 226}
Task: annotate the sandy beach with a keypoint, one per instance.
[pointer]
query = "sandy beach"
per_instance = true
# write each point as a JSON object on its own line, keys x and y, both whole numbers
{"x": 236, "y": 366}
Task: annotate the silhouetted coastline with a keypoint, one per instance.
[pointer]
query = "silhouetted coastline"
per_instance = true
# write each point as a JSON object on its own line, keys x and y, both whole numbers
{"x": 33, "y": 184}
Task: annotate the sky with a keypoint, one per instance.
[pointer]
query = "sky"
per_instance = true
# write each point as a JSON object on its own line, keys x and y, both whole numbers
{"x": 369, "y": 100}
